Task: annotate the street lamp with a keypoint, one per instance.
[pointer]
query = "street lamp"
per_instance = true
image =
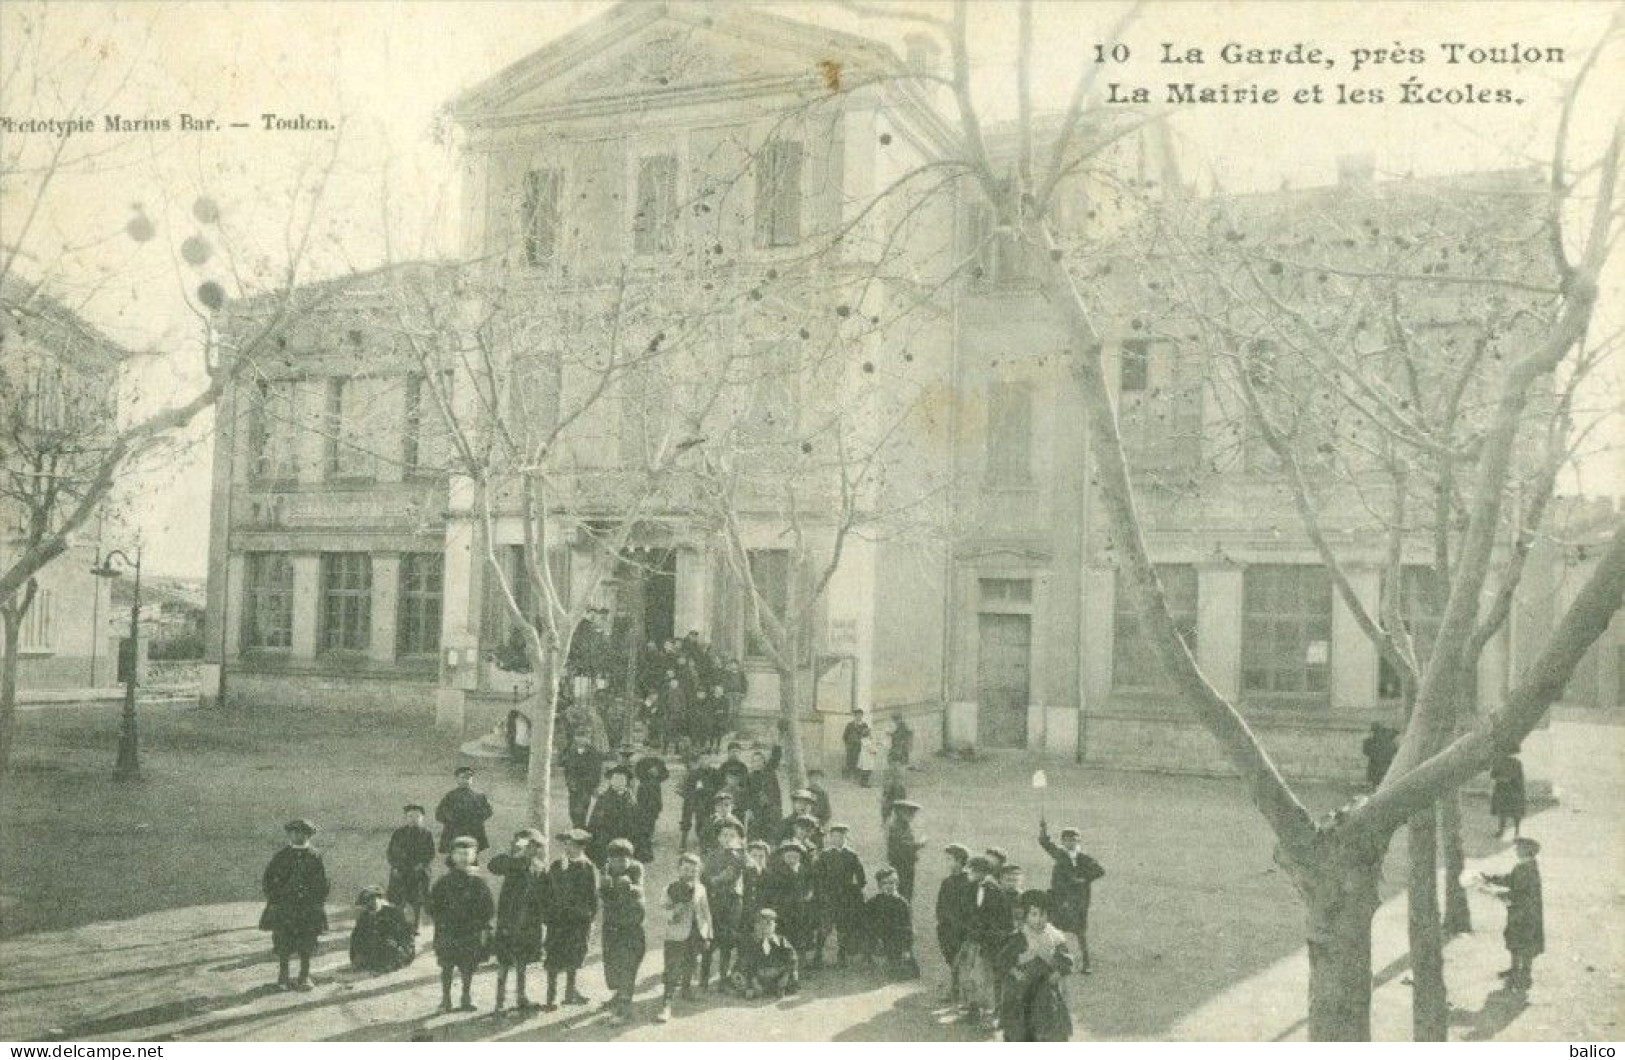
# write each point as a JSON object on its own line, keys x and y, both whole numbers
{"x": 129, "y": 764}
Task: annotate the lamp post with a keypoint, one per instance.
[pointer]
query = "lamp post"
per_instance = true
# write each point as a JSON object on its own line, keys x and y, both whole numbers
{"x": 128, "y": 766}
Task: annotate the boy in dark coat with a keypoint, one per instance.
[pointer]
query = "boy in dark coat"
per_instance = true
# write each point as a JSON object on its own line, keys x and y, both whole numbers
{"x": 802, "y": 802}
{"x": 1070, "y": 881}
{"x": 521, "y": 914}
{"x": 756, "y": 861}
{"x": 820, "y": 793}
{"x": 768, "y": 966}
{"x": 583, "y": 773}
{"x": 787, "y": 888}
{"x": 295, "y": 884}
{"x": 381, "y": 940}
{"x": 1379, "y": 748}
{"x": 620, "y": 890}
{"x": 571, "y": 907}
{"x": 903, "y": 845}
{"x": 989, "y": 929}
{"x": 723, "y": 873}
{"x": 889, "y": 921}
{"x": 852, "y": 737}
{"x": 733, "y": 770}
{"x": 764, "y": 798}
{"x": 651, "y": 774}
{"x": 411, "y": 851}
{"x": 612, "y": 814}
{"x": 838, "y": 880}
{"x": 699, "y": 788}
{"x": 1507, "y": 793}
{"x": 1525, "y": 934}
{"x": 722, "y": 816}
{"x": 956, "y": 901}
{"x": 463, "y": 811}
{"x": 461, "y": 906}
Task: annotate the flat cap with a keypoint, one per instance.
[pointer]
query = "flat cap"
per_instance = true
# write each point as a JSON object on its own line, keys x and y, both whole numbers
{"x": 530, "y": 835}
{"x": 790, "y": 844}
{"x": 1069, "y": 832}
{"x": 465, "y": 842}
{"x": 766, "y": 914}
{"x": 838, "y": 827}
{"x": 905, "y": 804}
{"x": 301, "y": 825}
{"x": 409, "y": 807}
{"x": 802, "y": 795}
{"x": 576, "y": 835}
{"x": 463, "y": 771}
{"x": 368, "y": 894}
{"x": 958, "y": 850}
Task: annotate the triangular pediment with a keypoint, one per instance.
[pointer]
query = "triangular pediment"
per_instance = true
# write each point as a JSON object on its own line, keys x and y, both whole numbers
{"x": 673, "y": 50}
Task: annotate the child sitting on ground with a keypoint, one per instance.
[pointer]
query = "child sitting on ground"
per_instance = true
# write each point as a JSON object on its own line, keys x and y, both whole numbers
{"x": 381, "y": 940}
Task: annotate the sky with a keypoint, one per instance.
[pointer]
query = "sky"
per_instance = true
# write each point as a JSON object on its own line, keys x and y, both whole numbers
{"x": 382, "y": 70}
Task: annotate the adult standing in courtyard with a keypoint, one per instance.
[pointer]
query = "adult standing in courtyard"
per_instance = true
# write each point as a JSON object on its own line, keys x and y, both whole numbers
{"x": 583, "y": 773}
{"x": 295, "y": 884}
{"x": 463, "y": 811}
{"x": 1507, "y": 793}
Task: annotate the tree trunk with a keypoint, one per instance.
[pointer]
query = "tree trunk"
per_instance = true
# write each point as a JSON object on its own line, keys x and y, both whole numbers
{"x": 1430, "y": 1006}
{"x": 11, "y": 625}
{"x": 795, "y": 756}
{"x": 539, "y": 773}
{"x": 1458, "y": 916}
{"x": 1342, "y": 899}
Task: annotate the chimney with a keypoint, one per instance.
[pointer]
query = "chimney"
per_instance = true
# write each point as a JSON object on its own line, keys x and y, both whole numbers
{"x": 1356, "y": 169}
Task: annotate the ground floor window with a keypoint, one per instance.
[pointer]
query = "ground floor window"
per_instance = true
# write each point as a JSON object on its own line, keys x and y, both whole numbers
{"x": 1286, "y": 632}
{"x": 38, "y": 633}
{"x": 346, "y": 614}
{"x": 1134, "y": 660}
{"x": 268, "y": 602}
{"x": 422, "y": 581}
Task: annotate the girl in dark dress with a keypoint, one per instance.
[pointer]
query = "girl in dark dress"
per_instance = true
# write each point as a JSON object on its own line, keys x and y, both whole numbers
{"x": 296, "y": 887}
{"x": 521, "y": 907}
{"x": 461, "y": 906}
{"x": 1032, "y": 1006}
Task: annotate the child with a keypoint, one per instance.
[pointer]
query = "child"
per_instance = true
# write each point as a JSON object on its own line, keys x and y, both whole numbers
{"x": 612, "y": 813}
{"x": 1525, "y": 934}
{"x": 621, "y": 894}
{"x": 988, "y": 927}
{"x": 295, "y": 884}
{"x": 787, "y": 888}
{"x": 411, "y": 850}
{"x": 1070, "y": 880}
{"x": 688, "y": 930}
{"x": 820, "y": 794}
{"x": 520, "y": 910}
{"x": 461, "y": 906}
{"x": 463, "y": 811}
{"x": 756, "y": 858}
{"x": 767, "y": 963}
{"x": 724, "y": 874}
{"x": 892, "y": 790}
{"x": 1507, "y": 801}
{"x": 903, "y": 844}
{"x": 1032, "y": 1006}
{"x": 956, "y": 901}
{"x": 651, "y": 775}
{"x": 699, "y": 787}
{"x": 890, "y": 923}
{"x": 838, "y": 880}
{"x": 572, "y": 904}
{"x": 381, "y": 940}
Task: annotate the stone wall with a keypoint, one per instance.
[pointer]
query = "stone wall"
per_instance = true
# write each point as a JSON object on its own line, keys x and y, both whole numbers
{"x": 404, "y": 697}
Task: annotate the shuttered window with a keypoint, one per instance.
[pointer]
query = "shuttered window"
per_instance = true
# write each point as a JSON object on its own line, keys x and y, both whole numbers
{"x": 778, "y": 194}
{"x": 541, "y": 215}
{"x": 654, "y": 225}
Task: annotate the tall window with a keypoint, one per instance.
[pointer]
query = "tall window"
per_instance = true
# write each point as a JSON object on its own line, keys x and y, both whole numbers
{"x": 273, "y": 419}
{"x": 1421, "y": 608}
{"x": 348, "y": 455}
{"x": 346, "y": 602}
{"x": 1159, "y": 407}
{"x": 541, "y": 215}
{"x": 770, "y": 573}
{"x": 417, "y": 626}
{"x": 646, "y": 410}
{"x": 654, "y": 226}
{"x": 778, "y": 194}
{"x": 38, "y": 632}
{"x": 1134, "y": 367}
{"x": 1009, "y": 433}
{"x": 1134, "y": 660}
{"x": 268, "y": 602}
{"x": 1286, "y": 631}
{"x": 426, "y": 444}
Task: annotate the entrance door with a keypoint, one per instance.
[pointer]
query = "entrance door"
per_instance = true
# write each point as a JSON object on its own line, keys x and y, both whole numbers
{"x": 659, "y": 595}
{"x": 1003, "y": 679}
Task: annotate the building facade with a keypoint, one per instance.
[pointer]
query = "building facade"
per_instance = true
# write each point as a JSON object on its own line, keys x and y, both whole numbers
{"x": 707, "y": 180}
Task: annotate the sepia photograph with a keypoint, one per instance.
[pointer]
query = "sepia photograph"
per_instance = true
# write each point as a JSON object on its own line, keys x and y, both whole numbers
{"x": 803, "y": 521}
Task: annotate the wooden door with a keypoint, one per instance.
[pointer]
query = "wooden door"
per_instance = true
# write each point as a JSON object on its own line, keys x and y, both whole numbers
{"x": 1003, "y": 679}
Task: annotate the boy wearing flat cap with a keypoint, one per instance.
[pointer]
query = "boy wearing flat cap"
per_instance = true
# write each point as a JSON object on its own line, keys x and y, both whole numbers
{"x": 722, "y": 814}
{"x": 787, "y": 888}
{"x": 768, "y": 965}
{"x": 1525, "y": 934}
{"x": 463, "y": 811}
{"x": 295, "y": 885}
{"x": 410, "y": 853}
{"x": 956, "y": 901}
{"x": 903, "y": 845}
{"x": 613, "y": 814}
{"x": 723, "y": 871}
{"x": 521, "y": 915}
{"x": 889, "y": 920}
{"x": 1070, "y": 881}
{"x": 688, "y": 930}
{"x": 801, "y": 824}
{"x": 620, "y": 891}
{"x": 572, "y": 905}
{"x": 381, "y": 940}
{"x": 460, "y": 903}
{"x": 838, "y": 880}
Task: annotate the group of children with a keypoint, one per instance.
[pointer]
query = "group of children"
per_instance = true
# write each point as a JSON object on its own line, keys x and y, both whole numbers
{"x": 761, "y": 901}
